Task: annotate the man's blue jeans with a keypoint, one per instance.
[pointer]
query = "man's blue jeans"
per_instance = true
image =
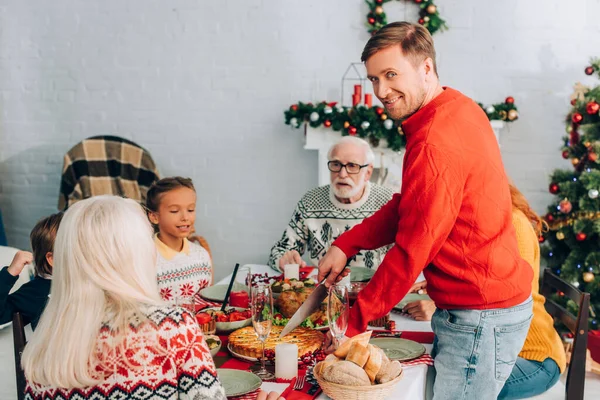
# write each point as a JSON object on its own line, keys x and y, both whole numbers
{"x": 475, "y": 350}
{"x": 530, "y": 378}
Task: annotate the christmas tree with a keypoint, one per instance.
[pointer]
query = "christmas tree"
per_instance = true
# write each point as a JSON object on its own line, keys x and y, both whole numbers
{"x": 572, "y": 244}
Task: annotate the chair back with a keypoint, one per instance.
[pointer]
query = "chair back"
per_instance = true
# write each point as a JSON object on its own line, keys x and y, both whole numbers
{"x": 577, "y": 324}
{"x": 19, "y": 345}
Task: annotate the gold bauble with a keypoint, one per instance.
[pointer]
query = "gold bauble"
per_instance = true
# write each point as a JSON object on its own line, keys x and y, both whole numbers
{"x": 503, "y": 115}
{"x": 588, "y": 277}
{"x": 400, "y": 131}
{"x": 587, "y": 144}
{"x": 574, "y": 161}
{"x": 560, "y": 235}
{"x": 346, "y": 124}
{"x": 569, "y": 129}
{"x": 512, "y": 115}
{"x": 378, "y": 10}
{"x": 431, "y": 9}
{"x": 383, "y": 117}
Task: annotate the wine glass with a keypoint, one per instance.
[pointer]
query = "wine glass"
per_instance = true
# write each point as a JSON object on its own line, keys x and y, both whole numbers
{"x": 262, "y": 316}
{"x": 338, "y": 310}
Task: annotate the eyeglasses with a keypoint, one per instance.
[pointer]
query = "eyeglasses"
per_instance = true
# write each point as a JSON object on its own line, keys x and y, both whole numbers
{"x": 351, "y": 168}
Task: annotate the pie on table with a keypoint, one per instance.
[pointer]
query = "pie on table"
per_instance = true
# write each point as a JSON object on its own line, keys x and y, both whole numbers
{"x": 244, "y": 341}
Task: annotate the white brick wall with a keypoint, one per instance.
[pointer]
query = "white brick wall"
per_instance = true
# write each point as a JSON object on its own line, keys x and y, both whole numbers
{"x": 203, "y": 86}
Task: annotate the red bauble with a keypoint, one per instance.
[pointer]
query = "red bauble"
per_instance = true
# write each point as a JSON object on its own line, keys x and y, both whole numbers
{"x": 577, "y": 118}
{"x": 379, "y": 110}
{"x": 593, "y": 157}
{"x": 573, "y": 102}
{"x": 541, "y": 239}
{"x": 554, "y": 189}
{"x": 589, "y": 70}
{"x": 294, "y": 107}
{"x": 327, "y": 123}
{"x": 378, "y": 1}
{"x": 565, "y": 154}
{"x": 371, "y": 21}
{"x": 581, "y": 236}
{"x": 352, "y": 130}
{"x": 550, "y": 217}
{"x": 421, "y": 21}
{"x": 592, "y": 107}
{"x": 565, "y": 206}
{"x": 509, "y": 100}
{"x": 418, "y": 1}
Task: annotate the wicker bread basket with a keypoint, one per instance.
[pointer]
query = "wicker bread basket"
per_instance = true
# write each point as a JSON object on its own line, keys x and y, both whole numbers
{"x": 342, "y": 392}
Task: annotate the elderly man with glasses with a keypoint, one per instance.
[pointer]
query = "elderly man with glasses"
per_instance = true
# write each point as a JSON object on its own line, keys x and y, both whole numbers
{"x": 326, "y": 212}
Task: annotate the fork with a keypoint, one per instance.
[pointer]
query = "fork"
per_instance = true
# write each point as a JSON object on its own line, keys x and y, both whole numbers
{"x": 300, "y": 383}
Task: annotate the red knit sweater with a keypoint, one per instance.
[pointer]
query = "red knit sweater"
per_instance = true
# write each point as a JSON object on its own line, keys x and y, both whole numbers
{"x": 453, "y": 217}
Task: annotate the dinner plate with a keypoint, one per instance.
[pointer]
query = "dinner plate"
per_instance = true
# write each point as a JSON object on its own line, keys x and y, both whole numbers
{"x": 409, "y": 298}
{"x": 398, "y": 348}
{"x": 237, "y": 382}
{"x": 361, "y": 274}
{"x": 218, "y": 292}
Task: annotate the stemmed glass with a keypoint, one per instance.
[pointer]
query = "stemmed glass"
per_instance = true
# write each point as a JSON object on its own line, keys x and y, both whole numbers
{"x": 338, "y": 310}
{"x": 262, "y": 316}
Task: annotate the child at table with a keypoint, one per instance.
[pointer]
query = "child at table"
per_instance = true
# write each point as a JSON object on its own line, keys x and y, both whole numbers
{"x": 30, "y": 299}
{"x": 183, "y": 267}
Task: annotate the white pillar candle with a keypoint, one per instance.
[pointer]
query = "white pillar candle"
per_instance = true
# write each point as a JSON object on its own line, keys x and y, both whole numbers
{"x": 291, "y": 271}
{"x": 286, "y": 361}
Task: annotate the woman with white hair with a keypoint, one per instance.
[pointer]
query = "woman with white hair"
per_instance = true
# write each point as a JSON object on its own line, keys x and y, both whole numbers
{"x": 105, "y": 332}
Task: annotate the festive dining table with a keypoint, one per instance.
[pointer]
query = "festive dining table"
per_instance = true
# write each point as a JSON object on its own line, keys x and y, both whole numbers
{"x": 417, "y": 380}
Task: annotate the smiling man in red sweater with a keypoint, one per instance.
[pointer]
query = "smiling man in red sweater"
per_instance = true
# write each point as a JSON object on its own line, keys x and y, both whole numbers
{"x": 452, "y": 221}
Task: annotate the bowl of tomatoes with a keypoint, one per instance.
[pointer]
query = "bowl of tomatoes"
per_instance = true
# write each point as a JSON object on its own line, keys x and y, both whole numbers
{"x": 231, "y": 319}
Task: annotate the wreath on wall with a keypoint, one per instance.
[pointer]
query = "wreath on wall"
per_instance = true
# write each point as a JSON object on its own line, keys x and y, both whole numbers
{"x": 429, "y": 16}
{"x": 372, "y": 123}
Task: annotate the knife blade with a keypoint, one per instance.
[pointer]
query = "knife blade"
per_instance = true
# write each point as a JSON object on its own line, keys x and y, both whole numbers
{"x": 310, "y": 305}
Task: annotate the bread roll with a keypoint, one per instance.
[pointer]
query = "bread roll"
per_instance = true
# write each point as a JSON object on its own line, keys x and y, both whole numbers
{"x": 363, "y": 339}
{"x": 346, "y": 373}
{"x": 329, "y": 360}
{"x": 358, "y": 354}
{"x": 374, "y": 362}
{"x": 389, "y": 372}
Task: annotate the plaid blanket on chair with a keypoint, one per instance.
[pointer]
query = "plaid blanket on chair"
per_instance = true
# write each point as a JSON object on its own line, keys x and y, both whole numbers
{"x": 106, "y": 165}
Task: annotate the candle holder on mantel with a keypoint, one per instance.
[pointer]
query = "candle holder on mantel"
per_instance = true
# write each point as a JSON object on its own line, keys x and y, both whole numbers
{"x": 354, "y": 87}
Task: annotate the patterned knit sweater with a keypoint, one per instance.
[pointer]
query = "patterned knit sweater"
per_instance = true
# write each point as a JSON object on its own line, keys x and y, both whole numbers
{"x": 177, "y": 365}
{"x": 182, "y": 274}
{"x": 319, "y": 218}
{"x": 542, "y": 340}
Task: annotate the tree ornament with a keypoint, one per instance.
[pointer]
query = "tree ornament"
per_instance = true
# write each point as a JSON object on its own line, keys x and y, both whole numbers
{"x": 503, "y": 115}
{"x": 560, "y": 235}
{"x": 587, "y": 144}
{"x": 339, "y": 108}
{"x": 378, "y": 10}
{"x": 327, "y": 123}
{"x": 589, "y": 70}
{"x": 573, "y": 102}
{"x": 431, "y": 9}
{"x": 426, "y": 18}
{"x": 565, "y": 206}
{"x": 388, "y": 124}
{"x": 577, "y": 118}
{"x": 490, "y": 110}
{"x": 365, "y": 125}
{"x": 379, "y": 1}
{"x": 294, "y": 122}
{"x": 379, "y": 110}
{"x": 592, "y": 107}
{"x": 346, "y": 124}
{"x": 554, "y": 188}
{"x": 314, "y": 116}
{"x": 512, "y": 115}
{"x": 593, "y": 157}
{"x": 421, "y": 21}
{"x": 593, "y": 193}
{"x": 418, "y": 1}
{"x": 569, "y": 128}
{"x": 565, "y": 154}
{"x": 383, "y": 117}
{"x": 588, "y": 277}
{"x": 549, "y": 217}
{"x": 352, "y": 131}
{"x": 327, "y": 110}
{"x": 510, "y": 100}
{"x": 371, "y": 20}
{"x": 541, "y": 239}
{"x": 294, "y": 107}
{"x": 574, "y": 161}
{"x": 580, "y": 236}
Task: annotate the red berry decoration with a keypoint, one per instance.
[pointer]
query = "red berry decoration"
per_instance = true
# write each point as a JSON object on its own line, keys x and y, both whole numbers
{"x": 378, "y": 1}
{"x": 327, "y": 123}
{"x": 541, "y": 239}
{"x": 565, "y": 154}
{"x": 379, "y": 110}
{"x": 371, "y": 20}
{"x": 581, "y": 236}
{"x": 554, "y": 189}
{"x": 421, "y": 21}
{"x": 418, "y": 1}
{"x": 510, "y": 100}
{"x": 589, "y": 70}
{"x": 573, "y": 102}
{"x": 592, "y": 107}
{"x": 550, "y": 217}
{"x": 577, "y": 118}
{"x": 352, "y": 131}
{"x": 294, "y": 107}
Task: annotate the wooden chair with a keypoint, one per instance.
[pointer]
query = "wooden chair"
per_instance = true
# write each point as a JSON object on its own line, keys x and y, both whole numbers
{"x": 578, "y": 325}
{"x": 19, "y": 344}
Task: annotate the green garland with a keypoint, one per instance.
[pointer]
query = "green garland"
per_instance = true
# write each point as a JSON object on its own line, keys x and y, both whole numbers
{"x": 372, "y": 123}
{"x": 429, "y": 16}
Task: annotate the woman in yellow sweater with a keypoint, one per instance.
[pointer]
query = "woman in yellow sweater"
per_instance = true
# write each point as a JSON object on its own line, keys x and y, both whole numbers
{"x": 542, "y": 359}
